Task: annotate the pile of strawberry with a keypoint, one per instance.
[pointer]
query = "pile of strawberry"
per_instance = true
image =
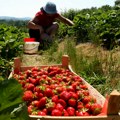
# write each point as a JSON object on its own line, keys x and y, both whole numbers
{"x": 56, "y": 91}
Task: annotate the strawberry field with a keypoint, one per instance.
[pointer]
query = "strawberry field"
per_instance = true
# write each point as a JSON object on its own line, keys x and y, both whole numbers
{"x": 53, "y": 86}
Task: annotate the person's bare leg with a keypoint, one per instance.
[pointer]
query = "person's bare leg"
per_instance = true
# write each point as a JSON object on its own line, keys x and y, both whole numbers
{"x": 52, "y": 29}
{"x": 45, "y": 36}
{"x": 50, "y": 32}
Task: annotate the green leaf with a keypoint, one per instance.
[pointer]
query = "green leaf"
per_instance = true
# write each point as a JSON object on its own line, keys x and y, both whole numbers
{"x": 11, "y": 97}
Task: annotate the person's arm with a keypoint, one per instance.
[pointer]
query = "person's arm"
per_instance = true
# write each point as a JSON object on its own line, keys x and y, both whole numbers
{"x": 32, "y": 24}
{"x": 65, "y": 20}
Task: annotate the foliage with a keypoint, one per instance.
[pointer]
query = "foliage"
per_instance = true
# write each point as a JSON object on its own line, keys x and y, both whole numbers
{"x": 11, "y": 104}
{"x": 5, "y": 68}
{"x": 11, "y": 45}
{"x": 11, "y": 39}
{"x": 94, "y": 25}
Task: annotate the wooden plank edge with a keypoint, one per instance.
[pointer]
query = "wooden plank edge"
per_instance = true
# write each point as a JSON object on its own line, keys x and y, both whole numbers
{"x": 93, "y": 91}
{"x": 114, "y": 103}
{"x": 104, "y": 117}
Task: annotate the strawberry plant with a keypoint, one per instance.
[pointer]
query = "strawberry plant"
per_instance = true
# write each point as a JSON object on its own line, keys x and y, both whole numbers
{"x": 11, "y": 104}
{"x": 11, "y": 39}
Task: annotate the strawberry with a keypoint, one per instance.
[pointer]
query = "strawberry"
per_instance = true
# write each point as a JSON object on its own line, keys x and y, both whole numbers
{"x": 42, "y": 102}
{"x": 83, "y": 86}
{"x": 59, "y": 107}
{"x": 96, "y": 109}
{"x": 89, "y": 98}
{"x": 71, "y": 111}
{"x": 60, "y": 89}
{"x": 35, "y": 69}
{"x": 33, "y": 80}
{"x": 48, "y": 92}
{"x": 80, "y": 106}
{"x": 72, "y": 102}
{"x": 81, "y": 113}
{"x": 62, "y": 102}
{"x": 41, "y": 113}
{"x": 29, "y": 86}
{"x": 56, "y": 112}
{"x": 55, "y": 98}
{"x": 65, "y": 95}
{"x": 28, "y": 96}
{"x": 65, "y": 113}
{"x": 50, "y": 106}
{"x": 30, "y": 109}
{"x": 74, "y": 95}
{"x": 70, "y": 88}
{"x": 35, "y": 103}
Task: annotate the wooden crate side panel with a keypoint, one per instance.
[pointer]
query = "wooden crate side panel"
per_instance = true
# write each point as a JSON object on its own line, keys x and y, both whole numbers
{"x": 24, "y": 68}
{"x": 114, "y": 103}
{"x": 92, "y": 90}
{"x": 105, "y": 117}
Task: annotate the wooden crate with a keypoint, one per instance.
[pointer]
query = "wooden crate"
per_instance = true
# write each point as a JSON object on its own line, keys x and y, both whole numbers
{"x": 111, "y": 104}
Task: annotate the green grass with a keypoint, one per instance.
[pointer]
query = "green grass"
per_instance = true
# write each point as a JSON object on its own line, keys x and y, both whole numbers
{"x": 100, "y": 68}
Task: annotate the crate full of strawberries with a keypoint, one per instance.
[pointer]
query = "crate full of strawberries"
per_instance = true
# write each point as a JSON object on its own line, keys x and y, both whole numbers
{"x": 57, "y": 93}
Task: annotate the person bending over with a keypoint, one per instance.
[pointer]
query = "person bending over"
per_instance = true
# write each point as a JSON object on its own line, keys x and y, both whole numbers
{"x": 43, "y": 25}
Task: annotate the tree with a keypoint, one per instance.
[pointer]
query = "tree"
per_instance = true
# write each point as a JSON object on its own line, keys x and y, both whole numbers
{"x": 117, "y": 3}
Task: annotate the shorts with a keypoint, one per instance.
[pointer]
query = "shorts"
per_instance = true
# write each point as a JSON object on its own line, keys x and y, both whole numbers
{"x": 34, "y": 34}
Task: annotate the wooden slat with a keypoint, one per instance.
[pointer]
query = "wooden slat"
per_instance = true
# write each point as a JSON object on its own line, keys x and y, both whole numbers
{"x": 17, "y": 64}
{"x": 24, "y": 68}
{"x": 100, "y": 99}
{"x": 114, "y": 103}
{"x": 65, "y": 61}
{"x": 105, "y": 117}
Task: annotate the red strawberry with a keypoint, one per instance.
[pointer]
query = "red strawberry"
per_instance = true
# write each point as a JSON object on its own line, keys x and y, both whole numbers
{"x": 65, "y": 95}
{"x": 41, "y": 113}
{"x": 82, "y": 113}
{"x": 42, "y": 102}
{"x": 35, "y": 103}
{"x": 60, "y": 89}
{"x": 70, "y": 88}
{"x": 50, "y": 106}
{"x": 56, "y": 112}
{"x": 89, "y": 98}
{"x": 29, "y": 86}
{"x": 33, "y": 81}
{"x": 59, "y": 107}
{"x": 48, "y": 92}
{"x": 30, "y": 109}
{"x": 28, "y": 96}
{"x": 55, "y": 98}
{"x": 83, "y": 86}
{"x": 65, "y": 113}
{"x": 35, "y": 69}
{"x": 71, "y": 111}
{"x": 80, "y": 106}
{"x": 88, "y": 106}
{"x": 74, "y": 95}
{"x": 72, "y": 102}
{"x": 62, "y": 102}
{"x": 96, "y": 109}
{"x": 80, "y": 94}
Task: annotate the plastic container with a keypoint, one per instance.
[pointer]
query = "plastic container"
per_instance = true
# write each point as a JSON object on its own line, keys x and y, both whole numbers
{"x": 31, "y": 47}
{"x": 29, "y": 39}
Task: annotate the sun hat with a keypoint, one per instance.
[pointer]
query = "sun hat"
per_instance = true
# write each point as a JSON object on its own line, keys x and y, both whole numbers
{"x": 50, "y": 8}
